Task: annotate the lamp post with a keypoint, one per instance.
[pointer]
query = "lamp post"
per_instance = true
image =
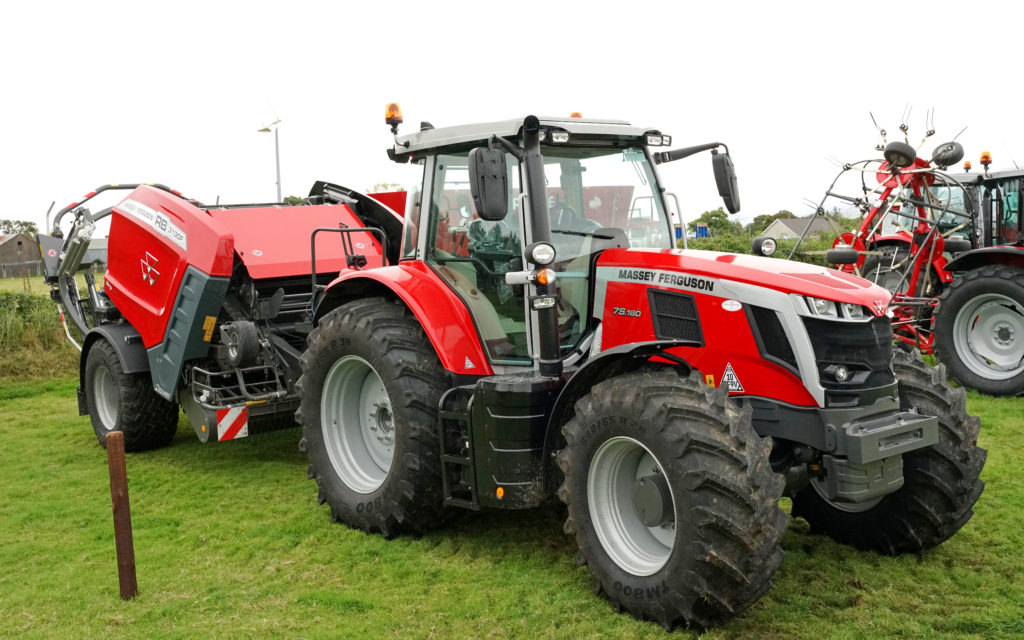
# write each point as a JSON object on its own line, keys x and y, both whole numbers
{"x": 277, "y": 152}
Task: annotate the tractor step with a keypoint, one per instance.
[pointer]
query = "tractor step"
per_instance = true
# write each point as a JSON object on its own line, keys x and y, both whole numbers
{"x": 458, "y": 470}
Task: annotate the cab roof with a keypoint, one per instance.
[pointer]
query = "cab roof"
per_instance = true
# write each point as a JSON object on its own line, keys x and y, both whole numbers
{"x": 439, "y": 137}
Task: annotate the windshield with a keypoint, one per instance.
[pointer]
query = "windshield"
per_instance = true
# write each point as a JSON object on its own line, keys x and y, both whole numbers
{"x": 951, "y": 197}
{"x": 590, "y": 189}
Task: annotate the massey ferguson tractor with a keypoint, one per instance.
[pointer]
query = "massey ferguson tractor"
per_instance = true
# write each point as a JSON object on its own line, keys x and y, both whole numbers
{"x": 528, "y": 331}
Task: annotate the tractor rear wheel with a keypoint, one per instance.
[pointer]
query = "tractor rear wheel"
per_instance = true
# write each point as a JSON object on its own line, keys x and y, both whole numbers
{"x": 126, "y": 402}
{"x": 940, "y": 482}
{"x": 370, "y": 388}
{"x": 979, "y": 330}
{"x": 671, "y": 497}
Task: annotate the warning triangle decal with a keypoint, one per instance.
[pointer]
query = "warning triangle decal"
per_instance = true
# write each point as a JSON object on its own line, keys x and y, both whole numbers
{"x": 730, "y": 378}
{"x": 469, "y": 364}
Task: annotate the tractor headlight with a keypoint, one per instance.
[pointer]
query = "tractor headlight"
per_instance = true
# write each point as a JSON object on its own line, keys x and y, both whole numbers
{"x": 853, "y": 311}
{"x": 822, "y": 307}
{"x": 542, "y": 253}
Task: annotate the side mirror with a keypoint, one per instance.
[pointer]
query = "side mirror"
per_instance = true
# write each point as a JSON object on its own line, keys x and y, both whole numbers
{"x": 725, "y": 178}
{"x": 488, "y": 182}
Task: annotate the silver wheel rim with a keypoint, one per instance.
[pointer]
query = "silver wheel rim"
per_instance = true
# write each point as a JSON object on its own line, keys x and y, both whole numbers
{"x": 632, "y": 545}
{"x": 231, "y": 342}
{"x": 105, "y": 392}
{"x": 988, "y": 334}
{"x": 357, "y": 424}
{"x": 847, "y": 507}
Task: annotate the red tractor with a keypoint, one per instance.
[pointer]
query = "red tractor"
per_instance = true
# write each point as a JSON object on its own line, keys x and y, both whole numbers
{"x": 532, "y": 333}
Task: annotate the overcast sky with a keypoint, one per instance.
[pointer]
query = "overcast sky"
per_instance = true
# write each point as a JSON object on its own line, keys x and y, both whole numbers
{"x": 174, "y": 92}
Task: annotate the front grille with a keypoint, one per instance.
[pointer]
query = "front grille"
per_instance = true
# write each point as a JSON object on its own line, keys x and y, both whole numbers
{"x": 675, "y": 316}
{"x": 864, "y": 348}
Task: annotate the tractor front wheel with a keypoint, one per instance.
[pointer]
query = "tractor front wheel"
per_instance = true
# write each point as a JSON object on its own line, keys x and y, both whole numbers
{"x": 370, "y": 388}
{"x": 671, "y": 498}
{"x": 125, "y": 402}
{"x": 940, "y": 482}
{"x": 979, "y": 330}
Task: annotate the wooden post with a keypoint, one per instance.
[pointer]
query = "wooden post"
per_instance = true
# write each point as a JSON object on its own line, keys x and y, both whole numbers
{"x": 122, "y": 516}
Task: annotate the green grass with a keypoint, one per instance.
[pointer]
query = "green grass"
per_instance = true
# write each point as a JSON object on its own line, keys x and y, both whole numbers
{"x": 230, "y": 543}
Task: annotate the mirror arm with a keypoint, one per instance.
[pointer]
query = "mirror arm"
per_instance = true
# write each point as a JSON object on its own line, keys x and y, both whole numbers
{"x": 510, "y": 148}
{"x": 686, "y": 152}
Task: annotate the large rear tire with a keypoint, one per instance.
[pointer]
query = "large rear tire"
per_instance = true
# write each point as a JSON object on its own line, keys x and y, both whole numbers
{"x": 940, "y": 482}
{"x": 126, "y": 402}
{"x": 370, "y": 388}
{"x": 979, "y": 330}
{"x": 671, "y": 498}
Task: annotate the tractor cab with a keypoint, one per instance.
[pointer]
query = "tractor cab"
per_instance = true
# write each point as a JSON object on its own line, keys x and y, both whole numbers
{"x": 996, "y": 196}
{"x": 590, "y": 187}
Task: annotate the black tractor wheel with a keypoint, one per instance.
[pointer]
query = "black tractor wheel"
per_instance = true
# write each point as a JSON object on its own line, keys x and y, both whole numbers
{"x": 979, "y": 330}
{"x": 671, "y": 498}
{"x": 370, "y": 388}
{"x": 126, "y": 402}
{"x": 940, "y": 482}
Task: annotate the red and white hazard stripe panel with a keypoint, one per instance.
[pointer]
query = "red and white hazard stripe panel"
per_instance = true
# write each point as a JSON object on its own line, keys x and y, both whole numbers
{"x": 232, "y": 423}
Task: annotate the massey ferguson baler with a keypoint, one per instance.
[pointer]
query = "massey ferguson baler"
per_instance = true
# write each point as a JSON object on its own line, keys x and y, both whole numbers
{"x": 203, "y": 307}
{"x": 531, "y": 332}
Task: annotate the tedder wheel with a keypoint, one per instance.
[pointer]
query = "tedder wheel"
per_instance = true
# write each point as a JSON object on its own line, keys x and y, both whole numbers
{"x": 979, "y": 330}
{"x": 126, "y": 402}
{"x": 370, "y": 388}
{"x": 671, "y": 497}
{"x": 940, "y": 482}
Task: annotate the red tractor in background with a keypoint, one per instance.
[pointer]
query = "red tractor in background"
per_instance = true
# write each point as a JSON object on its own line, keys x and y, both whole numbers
{"x": 528, "y": 331}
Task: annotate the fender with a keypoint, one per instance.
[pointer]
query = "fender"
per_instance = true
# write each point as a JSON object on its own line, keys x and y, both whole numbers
{"x": 127, "y": 344}
{"x": 1009, "y": 255}
{"x": 441, "y": 313}
{"x": 612, "y": 362}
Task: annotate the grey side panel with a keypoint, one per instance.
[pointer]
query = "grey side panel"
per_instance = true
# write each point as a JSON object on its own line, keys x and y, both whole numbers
{"x": 199, "y": 297}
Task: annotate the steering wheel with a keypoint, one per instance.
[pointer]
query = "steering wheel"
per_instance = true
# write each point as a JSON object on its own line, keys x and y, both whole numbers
{"x": 563, "y": 215}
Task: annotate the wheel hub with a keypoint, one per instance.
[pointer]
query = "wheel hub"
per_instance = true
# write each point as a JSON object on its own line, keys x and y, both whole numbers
{"x": 381, "y": 423}
{"x": 653, "y": 500}
{"x": 1004, "y": 335}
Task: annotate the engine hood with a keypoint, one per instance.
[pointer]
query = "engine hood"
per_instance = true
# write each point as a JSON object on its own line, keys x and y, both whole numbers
{"x": 708, "y": 270}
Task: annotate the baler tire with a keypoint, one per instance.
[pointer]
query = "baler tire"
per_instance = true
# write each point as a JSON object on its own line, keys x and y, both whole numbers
{"x": 243, "y": 342}
{"x": 940, "y": 483}
{"x": 722, "y": 543}
{"x": 994, "y": 286}
{"x": 376, "y": 351}
{"x": 126, "y": 402}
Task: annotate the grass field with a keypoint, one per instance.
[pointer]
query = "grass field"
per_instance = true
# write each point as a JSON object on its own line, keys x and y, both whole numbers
{"x": 230, "y": 543}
